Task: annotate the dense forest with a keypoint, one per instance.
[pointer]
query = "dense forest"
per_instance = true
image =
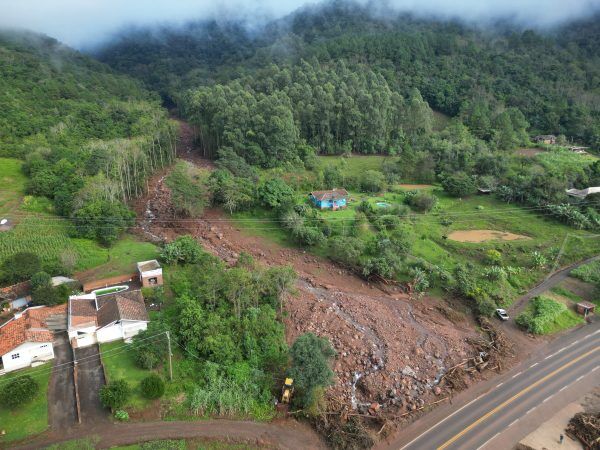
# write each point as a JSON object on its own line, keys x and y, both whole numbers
{"x": 333, "y": 67}
{"x": 89, "y": 137}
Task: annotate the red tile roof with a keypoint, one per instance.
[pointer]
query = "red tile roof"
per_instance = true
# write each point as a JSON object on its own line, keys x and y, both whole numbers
{"x": 30, "y": 327}
{"x": 334, "y": 194}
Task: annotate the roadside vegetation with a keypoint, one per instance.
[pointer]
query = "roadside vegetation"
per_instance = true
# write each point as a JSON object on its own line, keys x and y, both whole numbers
{"x": 24, "y": 403}
{"x": 230, "y": 356}
{"x": 547, "y": 316}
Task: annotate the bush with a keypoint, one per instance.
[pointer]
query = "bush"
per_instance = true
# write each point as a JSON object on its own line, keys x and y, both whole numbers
{"x": 184, "y": 250}
{"x": 459, "y": 184}
{"x": 20, "y": 267}
{"x": 310, "y": 366}
{"x": 545, "y": 315}
{"x": 275, "y": 193}
{"x": 18, "y": 391}
{"x": 372, "y": 181}
{"x": 121, "y": 416}
{"x": 152, "y": 386}
{"x": 308, "y": 236}
{"x": 422, "y": 201}
{"x": 115, "y": 394}
{"x": 150, "y": 346}
{"x": 493, "y": 257}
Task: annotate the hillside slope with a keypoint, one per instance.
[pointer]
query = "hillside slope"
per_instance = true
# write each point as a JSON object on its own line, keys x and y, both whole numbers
{"x": 552, "y": 78}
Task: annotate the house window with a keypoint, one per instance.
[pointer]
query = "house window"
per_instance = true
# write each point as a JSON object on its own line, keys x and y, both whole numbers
{"x": 153, "y": 280}
{"x": 15, "y": 356}
{"x": 44, "y": 346}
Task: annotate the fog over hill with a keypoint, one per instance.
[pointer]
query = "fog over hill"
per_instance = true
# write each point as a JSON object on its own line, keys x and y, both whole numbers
{"x": 86, "y": 23}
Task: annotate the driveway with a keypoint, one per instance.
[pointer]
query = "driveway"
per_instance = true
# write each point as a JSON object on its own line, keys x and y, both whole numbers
{"x": 90, "y": 379}
{"x": 62, "y": 410}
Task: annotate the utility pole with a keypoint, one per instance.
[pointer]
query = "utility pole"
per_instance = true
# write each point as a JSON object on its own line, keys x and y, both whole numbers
{"x": 170, "y": 362}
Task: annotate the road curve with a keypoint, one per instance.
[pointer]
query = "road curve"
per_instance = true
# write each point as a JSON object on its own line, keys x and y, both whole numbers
{"x": 485, "y": 419}
{"x": 551, "y": 281}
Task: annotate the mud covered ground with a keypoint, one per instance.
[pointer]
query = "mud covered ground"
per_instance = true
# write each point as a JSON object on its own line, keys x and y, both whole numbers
{"x": 391, "y": 351}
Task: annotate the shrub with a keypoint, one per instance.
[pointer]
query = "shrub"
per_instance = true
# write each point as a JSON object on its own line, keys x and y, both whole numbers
{"x": 184, "y": 250}
{"x": 387, "y": 222}
{"x": 275, "y": 193}
{"x": 310, "y": 366}
{"x": 545, "y": 315}
{"x": 20, "y": 267}
{"x": 422, "y": 201}
{"x": 152, "y": 386}
{"x": 18, "y": 391}
{"x": 308, "y": 236}
{"x": 372, "y": 181}
{"x": 150, "y": 346}
{"x": 122, "y": 416}
{"x": 115, "y": 394}
{"x": 493, "y": 257}
{"x": 459, "y": 184}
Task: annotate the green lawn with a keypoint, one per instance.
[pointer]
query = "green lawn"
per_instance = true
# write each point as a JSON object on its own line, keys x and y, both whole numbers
{"x": 12, "y": 184}
{"x": 31, "y": 418}
{"x": 120, "y": 364}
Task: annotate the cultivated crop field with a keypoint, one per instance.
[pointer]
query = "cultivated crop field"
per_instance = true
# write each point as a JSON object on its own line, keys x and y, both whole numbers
{"x": 51, "y": 238}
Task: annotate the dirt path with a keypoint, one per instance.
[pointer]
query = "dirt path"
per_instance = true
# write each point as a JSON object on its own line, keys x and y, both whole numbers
{"x": 282, "y": 435}
{"x": 551, "y": 281}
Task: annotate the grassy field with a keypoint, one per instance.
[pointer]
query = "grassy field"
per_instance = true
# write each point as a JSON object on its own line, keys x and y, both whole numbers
{"x": 430, "y": 233}
{"x": 355, "y": 165}
{"x": 37, "y": 230}
{"x": 120, "y": 364}
{"x": 12, "y": 184}
{"x": 31, "y": 418}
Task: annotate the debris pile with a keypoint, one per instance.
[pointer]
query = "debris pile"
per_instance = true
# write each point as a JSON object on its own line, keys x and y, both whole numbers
{"x": 586, "y": 428}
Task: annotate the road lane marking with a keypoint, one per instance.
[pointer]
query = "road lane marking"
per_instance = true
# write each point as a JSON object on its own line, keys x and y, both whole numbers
{"x": 595, "y": 368}
{"x": 441, "y": 422}
{"x": 533, "y": 365}
{"x": 548, "y": 357}
{"x": 580, "y": 378}
{"x": 547, "y": 398}
{"x": 517, "y": 374}
{"x": 514, "y": 397}
{"x": 513, "y": 422}
{"x": 488, "y": 441}
{"x": 499, "y": 384}
{"x": 563, "y": 388}
{"x": 531, "y": 410}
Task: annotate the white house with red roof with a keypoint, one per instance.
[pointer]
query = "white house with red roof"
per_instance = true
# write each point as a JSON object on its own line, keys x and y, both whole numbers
{"x": 26, "y": 339}
{"x": 106, "y": 318}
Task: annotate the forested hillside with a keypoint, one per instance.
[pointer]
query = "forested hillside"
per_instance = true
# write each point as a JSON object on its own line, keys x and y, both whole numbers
{"x": 89, "y": 137}
{"x": 337, "y": 63}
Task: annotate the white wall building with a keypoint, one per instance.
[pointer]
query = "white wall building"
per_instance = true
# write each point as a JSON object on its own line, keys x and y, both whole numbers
{"x": 106, "y": 318}
{"x": 26, "y": 339}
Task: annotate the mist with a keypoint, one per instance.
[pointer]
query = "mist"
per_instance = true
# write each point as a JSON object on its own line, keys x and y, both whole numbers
{"x": 84, "y": 23}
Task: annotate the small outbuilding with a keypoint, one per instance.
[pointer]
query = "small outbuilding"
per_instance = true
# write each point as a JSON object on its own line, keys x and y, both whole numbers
{"x": 545, "y": 139}
{"x": 333, "y": 199}
{"x": 150, "y": 273}
{"x": 585, "y": 308}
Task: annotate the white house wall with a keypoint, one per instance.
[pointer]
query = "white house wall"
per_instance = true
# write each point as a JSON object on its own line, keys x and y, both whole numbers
{"x": 29, "y": 352}
{"x": 110, "y": 333}
{"x": 130, "y": 329}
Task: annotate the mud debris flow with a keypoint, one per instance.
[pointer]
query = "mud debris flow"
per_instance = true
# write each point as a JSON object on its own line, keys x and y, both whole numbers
{"x": 391, "y": 351}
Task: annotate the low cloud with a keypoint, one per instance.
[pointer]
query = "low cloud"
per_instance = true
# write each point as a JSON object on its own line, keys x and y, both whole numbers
{"x": 84, "y": 22}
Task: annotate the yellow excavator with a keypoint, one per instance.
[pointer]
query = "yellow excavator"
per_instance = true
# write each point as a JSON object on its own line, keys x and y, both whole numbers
{"x": 287, "y": 391}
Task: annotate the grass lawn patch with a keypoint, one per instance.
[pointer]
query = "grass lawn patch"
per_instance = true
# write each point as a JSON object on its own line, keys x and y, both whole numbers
{"x": 12, "y": 180}
{"x": 31, "y": 418}
{"x": 545, "y": 315}
{"x": 119, "y": 364}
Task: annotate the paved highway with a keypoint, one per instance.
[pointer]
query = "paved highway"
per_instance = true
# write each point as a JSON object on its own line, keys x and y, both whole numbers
{"x": 485, "y": 421}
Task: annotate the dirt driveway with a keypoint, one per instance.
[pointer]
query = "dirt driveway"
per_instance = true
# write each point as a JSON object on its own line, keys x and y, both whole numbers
{"x": 90, "y": 380}
{"x": 62, "y": 411}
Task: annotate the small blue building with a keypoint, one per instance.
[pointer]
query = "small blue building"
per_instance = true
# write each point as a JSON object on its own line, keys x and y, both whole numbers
{"x": 333, "y": 199}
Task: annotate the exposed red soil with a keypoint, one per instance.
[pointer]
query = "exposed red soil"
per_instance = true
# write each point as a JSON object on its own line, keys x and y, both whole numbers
{"x": 390, "y": 349}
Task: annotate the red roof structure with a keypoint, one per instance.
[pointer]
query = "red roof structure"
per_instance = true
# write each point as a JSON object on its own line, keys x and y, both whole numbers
{"x": 30, "y": 326}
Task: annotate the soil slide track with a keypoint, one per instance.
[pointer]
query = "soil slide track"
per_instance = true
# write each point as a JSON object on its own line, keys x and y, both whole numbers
{"x": 390, "y": 350}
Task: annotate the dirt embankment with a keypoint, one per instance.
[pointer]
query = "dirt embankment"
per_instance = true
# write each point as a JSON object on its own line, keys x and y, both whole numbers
{"x": 391, "y": 351}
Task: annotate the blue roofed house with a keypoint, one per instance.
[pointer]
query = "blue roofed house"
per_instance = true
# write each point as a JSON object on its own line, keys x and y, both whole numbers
{"x": 333, "y": 199}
